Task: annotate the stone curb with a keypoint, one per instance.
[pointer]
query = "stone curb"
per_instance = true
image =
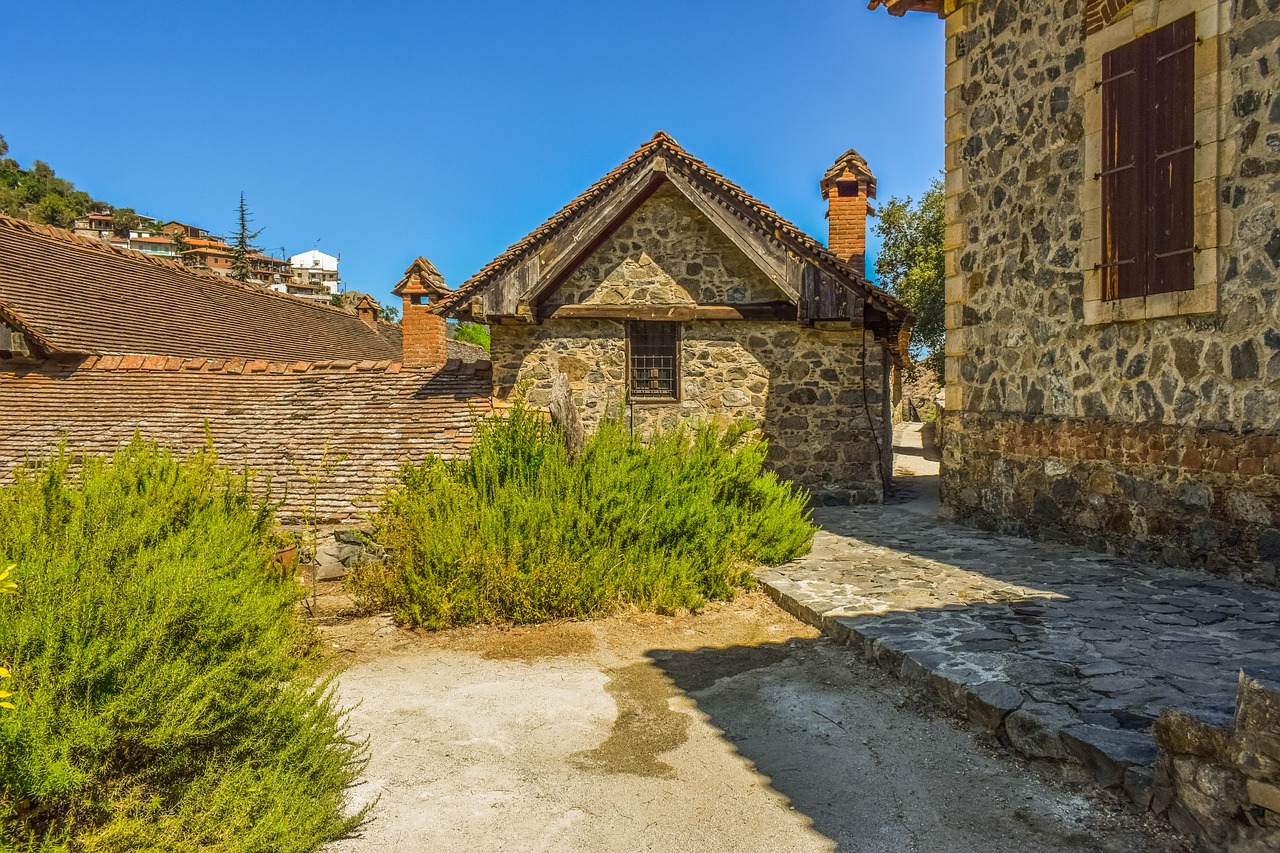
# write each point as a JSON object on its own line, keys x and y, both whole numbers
{"x": 1123, "y": 761}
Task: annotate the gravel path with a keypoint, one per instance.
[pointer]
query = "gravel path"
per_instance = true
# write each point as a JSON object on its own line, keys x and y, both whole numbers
{"x": 736, "y": 729}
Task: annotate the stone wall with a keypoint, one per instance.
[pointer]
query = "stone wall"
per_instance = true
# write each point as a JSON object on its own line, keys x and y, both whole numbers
{"x": 1220, "y": 783}
{"x": 818, "y": 396}
{"x": 1146, "y": 434}
{"x": 666, "y": 253}
{"x": 803, "y": 387}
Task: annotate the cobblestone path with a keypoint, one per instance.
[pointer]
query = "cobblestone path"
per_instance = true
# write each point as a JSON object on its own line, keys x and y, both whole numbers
{"x": 1065, "y": 653}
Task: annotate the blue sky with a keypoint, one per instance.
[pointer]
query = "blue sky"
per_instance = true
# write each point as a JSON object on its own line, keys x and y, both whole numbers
{"x": 388, "y": 130}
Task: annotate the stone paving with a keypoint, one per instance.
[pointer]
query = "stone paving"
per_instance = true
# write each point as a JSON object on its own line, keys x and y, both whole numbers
{"x": 1065, "y": 654}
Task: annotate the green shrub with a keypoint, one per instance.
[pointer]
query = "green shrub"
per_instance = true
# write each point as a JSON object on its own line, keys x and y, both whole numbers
{"x": 520, "y": 532}
{"x": 166, "y": 700}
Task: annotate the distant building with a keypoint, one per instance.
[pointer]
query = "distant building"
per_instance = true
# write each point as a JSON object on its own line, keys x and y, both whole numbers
{"x": 94, "y": 225}
{"x": 190, "y": 232}
{"x": 316, "y": 268}
{"x": 152, "y": 245}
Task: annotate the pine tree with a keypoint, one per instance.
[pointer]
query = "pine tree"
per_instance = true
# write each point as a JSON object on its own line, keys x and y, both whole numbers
{"x": 243, "y": 249}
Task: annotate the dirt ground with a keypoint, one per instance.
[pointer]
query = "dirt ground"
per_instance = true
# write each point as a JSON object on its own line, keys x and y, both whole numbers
{"x": 736, "y": 729}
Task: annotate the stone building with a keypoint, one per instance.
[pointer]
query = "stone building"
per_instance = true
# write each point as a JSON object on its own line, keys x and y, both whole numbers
{"x": 1113, "y": 308}
{"x": 667, "y": 295}
{"x": 97, "y": 343}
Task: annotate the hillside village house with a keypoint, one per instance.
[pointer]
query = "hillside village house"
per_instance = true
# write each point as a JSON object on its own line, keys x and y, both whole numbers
{"x": 667, "y": 295}
{"x": 98, "y": 342}
{"x": 1113, "y": 301}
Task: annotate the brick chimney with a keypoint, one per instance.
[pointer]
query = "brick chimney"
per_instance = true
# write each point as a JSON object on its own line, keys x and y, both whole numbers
{"x": 848, "y": 187}
{"x": 367, "y": 311}
{"x": 422, "y": 329}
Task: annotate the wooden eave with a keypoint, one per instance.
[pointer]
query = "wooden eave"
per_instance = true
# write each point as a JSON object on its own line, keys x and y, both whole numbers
{"x": 41, "y": 344}
{"x": 902, "y": 7}
{"x": 821, "y": 287}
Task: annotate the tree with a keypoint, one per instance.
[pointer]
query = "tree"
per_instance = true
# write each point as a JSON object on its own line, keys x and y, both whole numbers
{"x": 472, "y": 333}
{"x": 180, "y": 244}
{"x": 4, "y": 146}
{"x": 910, "y": 266}
{"x": 243, "y": 249}
{"x": 388, "y": 313}
{"x": 53, "y": 210}
{"x": 124, "y": 220}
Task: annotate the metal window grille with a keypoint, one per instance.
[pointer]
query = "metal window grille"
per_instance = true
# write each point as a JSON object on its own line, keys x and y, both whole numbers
{"x": 655, "y": 359}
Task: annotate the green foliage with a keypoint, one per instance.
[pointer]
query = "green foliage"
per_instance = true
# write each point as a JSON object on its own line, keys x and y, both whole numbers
{"x": 910, "y": 264}
{"x": 165, "y": 698}
{"x": 37, "y": 194}
{"x": 520, "y": 532}
{"x": 388, "y": 313}
{"x": 124, "y": 220}
{"x": 472, "y": 333}
{"x": 242, "y": 248}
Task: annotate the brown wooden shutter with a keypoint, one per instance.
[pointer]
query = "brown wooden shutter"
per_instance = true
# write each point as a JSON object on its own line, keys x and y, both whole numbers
{"x": 1123, "y": 142}
{"x": 1170, "y": 83}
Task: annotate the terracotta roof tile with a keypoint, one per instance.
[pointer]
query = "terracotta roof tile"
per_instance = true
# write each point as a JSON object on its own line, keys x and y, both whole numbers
{"x": 78, "y": 295}
{"x": 264, "y": 421}
{"x": 701, "y": 174}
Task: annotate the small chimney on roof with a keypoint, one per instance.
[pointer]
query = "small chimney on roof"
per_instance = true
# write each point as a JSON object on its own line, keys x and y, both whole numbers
{"x": 422, "y": 329}
{"x": 848, "y": 187}
{"x": 367, "y": 311}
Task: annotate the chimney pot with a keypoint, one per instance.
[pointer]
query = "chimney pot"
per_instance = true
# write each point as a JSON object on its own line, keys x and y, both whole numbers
{"x": 422, "y": 329}
{"x": 367, "y": 311}
{"x": 848, "y": 207}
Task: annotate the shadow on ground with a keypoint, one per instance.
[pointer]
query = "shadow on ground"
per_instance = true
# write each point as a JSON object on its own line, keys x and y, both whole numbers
{"x": 832, "y": 736}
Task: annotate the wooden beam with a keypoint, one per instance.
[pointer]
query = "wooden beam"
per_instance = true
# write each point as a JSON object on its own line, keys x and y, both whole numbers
{"x": 571, "y": 247}
{"x": 784, "y": 311}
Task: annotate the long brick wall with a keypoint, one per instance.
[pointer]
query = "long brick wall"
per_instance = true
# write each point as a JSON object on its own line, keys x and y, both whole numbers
{"x": 361, "y": 421}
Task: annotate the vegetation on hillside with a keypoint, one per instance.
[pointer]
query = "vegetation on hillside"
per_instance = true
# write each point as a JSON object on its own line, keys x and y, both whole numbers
{"x": 37, "y": 194}
{"x": 523, "y": 532}
{"x": 472, "y": 333}
{"x": 910, "y": 266}
{"x": 165, "y": 700}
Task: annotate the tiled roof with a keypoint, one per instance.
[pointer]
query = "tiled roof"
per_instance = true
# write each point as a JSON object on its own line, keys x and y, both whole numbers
{"x": 78, "y": 295}
{"x": 368, "y": 422}
{"x": 708, "y": 179}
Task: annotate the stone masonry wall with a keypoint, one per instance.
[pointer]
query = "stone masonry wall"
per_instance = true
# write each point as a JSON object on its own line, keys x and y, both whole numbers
{"x": 1156, "y": 436}
{"x": 803, "y": 387}
{"x": 1220, "y": 783}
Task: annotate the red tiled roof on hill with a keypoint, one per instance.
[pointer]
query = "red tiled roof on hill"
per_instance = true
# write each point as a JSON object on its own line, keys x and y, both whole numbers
{"x": 76, "y": 295}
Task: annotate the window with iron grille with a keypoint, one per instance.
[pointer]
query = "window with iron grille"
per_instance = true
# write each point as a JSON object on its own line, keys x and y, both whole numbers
{"x": 654, "y": 354}
{"x": 1148, "y": 163}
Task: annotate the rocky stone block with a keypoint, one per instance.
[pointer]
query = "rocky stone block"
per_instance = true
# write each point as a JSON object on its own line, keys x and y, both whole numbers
{"x": 1139, "y": 785}
{"x": 1108, "y": 753}
{"x": 991, "y": 702}
{"x": 1035, "y": 730}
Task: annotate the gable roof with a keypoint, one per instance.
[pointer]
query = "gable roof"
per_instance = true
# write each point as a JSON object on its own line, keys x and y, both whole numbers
{"x": 422, "y": 277}
{"x": 664, "y": 157}
{"x": 77, "y": 295}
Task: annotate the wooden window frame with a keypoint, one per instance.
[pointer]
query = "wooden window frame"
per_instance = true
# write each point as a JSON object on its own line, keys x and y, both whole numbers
{"x": 1209, "y": 117}
{"x": 677, "y": 346}
{"x": 1148, "y": 163}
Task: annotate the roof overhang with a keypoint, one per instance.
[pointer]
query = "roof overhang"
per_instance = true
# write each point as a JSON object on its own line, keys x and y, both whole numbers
{"x": 823, "y": 288}
{"x": 902, "y": 7}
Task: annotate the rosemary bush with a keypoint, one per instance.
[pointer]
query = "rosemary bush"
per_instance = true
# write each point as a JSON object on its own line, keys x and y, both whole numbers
{"x": 520, "y": 532}
{"x": 164, "y": 699}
